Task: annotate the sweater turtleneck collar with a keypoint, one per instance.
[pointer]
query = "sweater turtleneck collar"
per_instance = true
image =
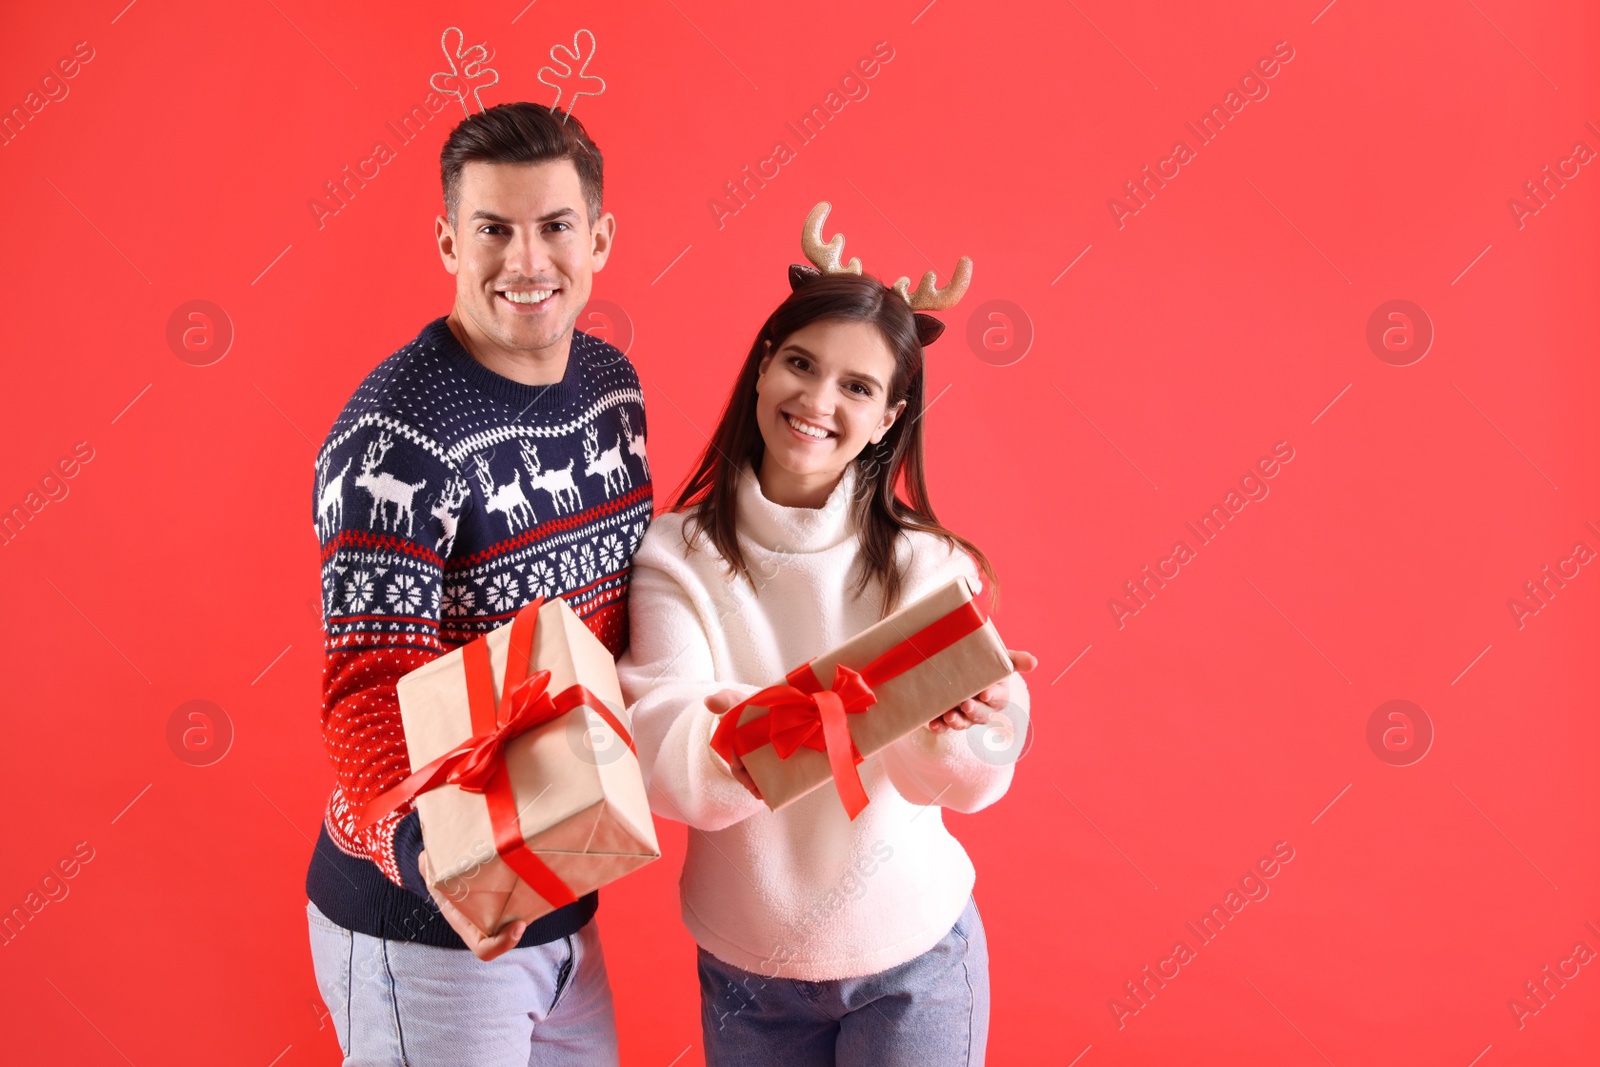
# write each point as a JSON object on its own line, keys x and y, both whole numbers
{"x": 780, "y": 529}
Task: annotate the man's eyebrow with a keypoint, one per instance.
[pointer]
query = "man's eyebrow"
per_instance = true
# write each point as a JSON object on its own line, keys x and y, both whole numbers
{"x": 792, "y": 347}
{"x": 489, "y": 216}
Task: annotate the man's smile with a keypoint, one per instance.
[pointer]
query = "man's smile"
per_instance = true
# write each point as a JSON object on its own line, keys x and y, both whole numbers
{"x": 525, "y": 301}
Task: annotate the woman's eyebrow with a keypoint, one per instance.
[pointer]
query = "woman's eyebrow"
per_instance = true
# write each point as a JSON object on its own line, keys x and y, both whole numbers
{"x": 851, "y": 374}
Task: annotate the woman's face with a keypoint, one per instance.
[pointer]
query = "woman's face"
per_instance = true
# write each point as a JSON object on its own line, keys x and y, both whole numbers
{"x": 823, "y": 396}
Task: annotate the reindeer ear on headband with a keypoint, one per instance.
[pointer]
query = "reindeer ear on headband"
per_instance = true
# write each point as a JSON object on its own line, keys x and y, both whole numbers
{"x": 799, "y": 274}
{"x": 928, "y": 328}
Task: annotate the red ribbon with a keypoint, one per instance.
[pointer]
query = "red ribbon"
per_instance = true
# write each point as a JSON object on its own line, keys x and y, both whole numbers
{"x": 477, "y": 765}
{"x": 802, "y": 713}
{"x": 806, "y": 715}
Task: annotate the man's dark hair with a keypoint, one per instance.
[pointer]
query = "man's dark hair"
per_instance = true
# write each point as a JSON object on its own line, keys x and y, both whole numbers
{"x": 521, "y": 133}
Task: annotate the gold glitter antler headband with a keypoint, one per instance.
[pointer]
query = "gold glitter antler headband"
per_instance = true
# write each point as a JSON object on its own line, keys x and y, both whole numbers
{"x": 827, "y": 258}
{"x": 825, "y": 254}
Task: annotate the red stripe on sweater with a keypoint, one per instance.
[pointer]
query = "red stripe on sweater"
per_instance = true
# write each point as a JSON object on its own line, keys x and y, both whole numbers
{"x": 385, "y": 542}
{"x": 575, "y": 521}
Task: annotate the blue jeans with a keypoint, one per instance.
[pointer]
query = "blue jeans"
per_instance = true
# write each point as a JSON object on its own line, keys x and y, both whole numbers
{"x": 399, "y": 1003}
{"x": 931, "y": 1011}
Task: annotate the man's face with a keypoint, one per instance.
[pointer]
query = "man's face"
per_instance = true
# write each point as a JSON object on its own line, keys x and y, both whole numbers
{"x": 523, "y": 251}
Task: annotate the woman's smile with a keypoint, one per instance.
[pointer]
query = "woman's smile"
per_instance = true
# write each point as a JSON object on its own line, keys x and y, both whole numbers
{"x": 809, "y": 432}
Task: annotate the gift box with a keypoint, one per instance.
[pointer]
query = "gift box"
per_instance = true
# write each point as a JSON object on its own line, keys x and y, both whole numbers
{"x": 857, "y": 699}
{"x": 523, "y": 769}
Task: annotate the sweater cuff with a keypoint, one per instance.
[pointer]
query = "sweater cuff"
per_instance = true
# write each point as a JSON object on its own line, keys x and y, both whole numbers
{"x": 407, "y": 847}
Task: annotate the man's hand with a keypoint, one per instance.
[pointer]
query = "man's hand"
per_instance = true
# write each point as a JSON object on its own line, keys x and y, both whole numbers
{"x": 719, "y": 703}
{"x": 978, "y": 710}
{"x": 482, "y": 945}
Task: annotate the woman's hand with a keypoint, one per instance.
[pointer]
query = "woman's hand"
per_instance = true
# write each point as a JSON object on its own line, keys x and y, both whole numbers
{"x": 978, "y": 710}
{"x": 719, "y": 703}
{"x": 482, "y": 945}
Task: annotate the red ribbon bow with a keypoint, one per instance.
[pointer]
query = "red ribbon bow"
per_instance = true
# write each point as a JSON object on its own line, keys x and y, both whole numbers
{"x": 804, "y": 714}
{"x": 477, "y": 765}
{"x": 474, "y": 764}
{"x": 810, "y": 717}
{"x": 801, "y": 718}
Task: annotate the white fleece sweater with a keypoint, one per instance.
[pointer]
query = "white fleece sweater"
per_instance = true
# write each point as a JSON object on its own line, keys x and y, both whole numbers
{"x": 804, "y": 892}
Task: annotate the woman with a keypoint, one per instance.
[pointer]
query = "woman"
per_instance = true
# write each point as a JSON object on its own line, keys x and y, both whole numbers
{"x": 822, "y": 939}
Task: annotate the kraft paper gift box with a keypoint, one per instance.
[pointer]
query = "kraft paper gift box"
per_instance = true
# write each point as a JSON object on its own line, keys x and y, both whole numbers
{"x": 909, "y": 668}
{"x": 567, "y": 795}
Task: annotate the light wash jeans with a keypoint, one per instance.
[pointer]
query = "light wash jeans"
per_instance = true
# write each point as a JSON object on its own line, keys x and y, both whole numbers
{"x": 399, "y": 1003}
{"x": 931, "y": 1011}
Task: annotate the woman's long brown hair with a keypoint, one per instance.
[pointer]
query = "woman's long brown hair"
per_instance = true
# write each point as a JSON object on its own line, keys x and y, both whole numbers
{"x": 880, "y": 513}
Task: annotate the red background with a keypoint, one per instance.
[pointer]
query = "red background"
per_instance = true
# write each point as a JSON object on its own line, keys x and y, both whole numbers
{"x": 1226, "y": 316}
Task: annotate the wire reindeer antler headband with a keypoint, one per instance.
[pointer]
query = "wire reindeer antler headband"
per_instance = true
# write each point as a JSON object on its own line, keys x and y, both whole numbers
{"x": 827, "y": 255}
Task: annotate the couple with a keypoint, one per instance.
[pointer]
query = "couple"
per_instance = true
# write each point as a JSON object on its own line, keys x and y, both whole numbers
{"x": 499, "y": 457}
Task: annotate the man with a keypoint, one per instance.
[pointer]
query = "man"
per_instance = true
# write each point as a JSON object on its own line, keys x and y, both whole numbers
{"x": 497, "y": 457}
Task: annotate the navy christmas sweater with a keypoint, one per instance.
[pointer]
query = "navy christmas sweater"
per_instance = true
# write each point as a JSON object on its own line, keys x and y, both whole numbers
{"x": 446, "y": 497}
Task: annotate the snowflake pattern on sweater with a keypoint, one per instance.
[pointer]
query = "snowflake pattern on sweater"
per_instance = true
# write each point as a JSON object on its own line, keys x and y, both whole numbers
{"x": 446, "y": 497}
